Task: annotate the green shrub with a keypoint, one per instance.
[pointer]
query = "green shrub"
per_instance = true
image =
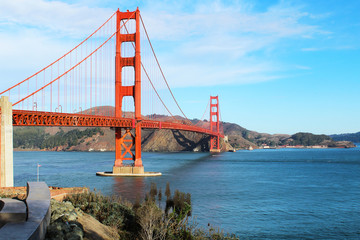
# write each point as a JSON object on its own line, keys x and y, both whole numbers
{"x": 110, "y": 211}
{"x": 147, "y": 220}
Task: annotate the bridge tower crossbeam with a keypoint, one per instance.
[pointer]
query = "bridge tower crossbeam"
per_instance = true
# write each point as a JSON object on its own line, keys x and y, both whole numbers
{"x": 124, "y": 143}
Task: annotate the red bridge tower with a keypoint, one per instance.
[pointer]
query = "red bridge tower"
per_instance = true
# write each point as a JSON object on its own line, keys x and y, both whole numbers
{"x": 125, "y": 142}
{"x": 214, "y": 124}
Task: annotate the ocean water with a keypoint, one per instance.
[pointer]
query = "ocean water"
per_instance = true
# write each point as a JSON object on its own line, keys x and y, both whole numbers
{"x": 260, "y": 194}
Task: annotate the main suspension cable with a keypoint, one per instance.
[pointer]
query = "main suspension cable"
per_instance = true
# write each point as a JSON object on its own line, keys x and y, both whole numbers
{"x": 74, "y": 65}
{"x": 162, "y": 73}
{"x": 60, "y": 57}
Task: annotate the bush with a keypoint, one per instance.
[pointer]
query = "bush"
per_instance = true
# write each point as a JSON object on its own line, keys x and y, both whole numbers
{"x": 146, "y": 220}
{"x": 110, "y": 211}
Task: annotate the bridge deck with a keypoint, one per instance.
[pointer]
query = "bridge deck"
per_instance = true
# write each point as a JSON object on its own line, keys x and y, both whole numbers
{"x": 36, "y": 118}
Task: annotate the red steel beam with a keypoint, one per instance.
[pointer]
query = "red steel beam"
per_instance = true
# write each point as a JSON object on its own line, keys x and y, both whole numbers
{"x": 35, "y": 118}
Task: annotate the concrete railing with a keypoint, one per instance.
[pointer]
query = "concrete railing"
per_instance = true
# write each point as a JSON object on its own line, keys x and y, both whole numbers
{"x": 12, "y": 211}
{"x": 37, "y": 214}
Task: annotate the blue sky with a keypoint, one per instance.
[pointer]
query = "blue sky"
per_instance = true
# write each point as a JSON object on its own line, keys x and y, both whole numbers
{"x": 277, "y": 66}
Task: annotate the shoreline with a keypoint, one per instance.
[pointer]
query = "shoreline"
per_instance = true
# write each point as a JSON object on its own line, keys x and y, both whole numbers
{"x": 260, "y": 148}
{"x": 57, "y": 193}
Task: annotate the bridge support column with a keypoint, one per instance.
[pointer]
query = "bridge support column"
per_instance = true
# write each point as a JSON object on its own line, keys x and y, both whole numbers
{"x": 118, "y": 152}
{"x": 214, "y": 124}
{"x": 6, "y": 142}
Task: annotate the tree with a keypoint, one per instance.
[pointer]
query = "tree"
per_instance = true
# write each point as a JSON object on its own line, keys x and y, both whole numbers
{"x": 159, "y": 196}
{"x": 152, "y": 221}
{"x": 167, "y": 191}
{"x": 153, "y": 191}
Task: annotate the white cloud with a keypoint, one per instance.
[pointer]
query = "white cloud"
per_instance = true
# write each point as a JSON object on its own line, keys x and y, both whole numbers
{"x": 55, "y": 17}
{"x": 200, "y": 74}
{"x": 210, "y": 45}
{"x": 217, "y": 44}
{"x": 35, "y": 33}
{"x": 279, "y": 21}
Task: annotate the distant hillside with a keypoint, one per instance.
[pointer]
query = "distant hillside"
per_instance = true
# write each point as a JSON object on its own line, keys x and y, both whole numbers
{"x": 242, "y": 138}
{"x": 308, "y": 139}
{"x": 352, "y": 137}
{"x": 103, "y": 139}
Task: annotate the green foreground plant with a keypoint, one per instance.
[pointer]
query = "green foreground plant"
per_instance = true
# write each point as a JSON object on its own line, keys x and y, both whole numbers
{"x": 147, "y": 220}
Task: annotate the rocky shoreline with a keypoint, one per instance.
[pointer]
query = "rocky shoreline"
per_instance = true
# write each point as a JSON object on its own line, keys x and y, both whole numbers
{"x": 68, "y": 222}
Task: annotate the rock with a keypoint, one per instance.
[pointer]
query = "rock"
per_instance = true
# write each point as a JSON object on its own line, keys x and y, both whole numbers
{"x": 63, "y": 224}
{"x": 72, "y": 217}
{"x": 54, "y": 232}
{"x": 63, "y": 210}
{"x": 69, "y": 206}
{"x": 94, "y": 230}
{"x": 76, "y": 233}
{"x": 69, "y": 223}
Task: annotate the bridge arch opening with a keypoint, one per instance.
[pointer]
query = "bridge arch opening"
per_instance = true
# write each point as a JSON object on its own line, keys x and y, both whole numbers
{"x": 128, "y": 26}
{"x": 128, "y": 107}
{"x": 128, "y": 76}
{"x": 127, "y": 49}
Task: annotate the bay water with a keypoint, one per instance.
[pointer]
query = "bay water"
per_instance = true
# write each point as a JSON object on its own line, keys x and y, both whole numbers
{"x": 259, "y": 194}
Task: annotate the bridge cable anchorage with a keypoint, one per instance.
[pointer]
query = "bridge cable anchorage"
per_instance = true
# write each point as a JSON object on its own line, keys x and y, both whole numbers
{"x": 162, "y": 73}
{"x": 73, "y": 66}
{"x": 60, "y": 57}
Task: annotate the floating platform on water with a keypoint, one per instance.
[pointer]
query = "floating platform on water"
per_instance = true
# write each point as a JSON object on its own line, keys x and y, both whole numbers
{"x": 145, "y": 174}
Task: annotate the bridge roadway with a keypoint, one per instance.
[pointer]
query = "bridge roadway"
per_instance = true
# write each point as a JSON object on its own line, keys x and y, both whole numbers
{"x": 37, "y": 118}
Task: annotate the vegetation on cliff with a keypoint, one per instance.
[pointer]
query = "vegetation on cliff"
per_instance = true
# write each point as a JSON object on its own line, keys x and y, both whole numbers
{"x": 36, "y": 137}
{"x": 353, "y": 137}
{"x": 308, "y": 139}
{"x": 146, "y": 220}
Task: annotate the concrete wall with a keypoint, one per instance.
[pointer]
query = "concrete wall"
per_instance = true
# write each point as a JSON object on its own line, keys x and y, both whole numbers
{"x": 38, "y": 215}
{"x": 6, "y": 142}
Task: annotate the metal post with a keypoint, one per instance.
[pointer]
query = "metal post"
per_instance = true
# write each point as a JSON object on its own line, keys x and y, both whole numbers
{"x": 37, "y": 172}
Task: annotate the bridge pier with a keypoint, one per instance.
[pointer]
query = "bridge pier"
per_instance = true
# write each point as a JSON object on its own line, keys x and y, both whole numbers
{"x": 6, "y": 142}
{"x": 123, "y": 151}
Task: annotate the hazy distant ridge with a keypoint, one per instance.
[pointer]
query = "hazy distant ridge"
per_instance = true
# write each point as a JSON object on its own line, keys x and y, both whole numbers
{"x": 353, "y": 137}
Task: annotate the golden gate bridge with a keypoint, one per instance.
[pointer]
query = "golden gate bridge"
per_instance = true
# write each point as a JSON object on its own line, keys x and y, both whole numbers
{"x": 111, "y": 79}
